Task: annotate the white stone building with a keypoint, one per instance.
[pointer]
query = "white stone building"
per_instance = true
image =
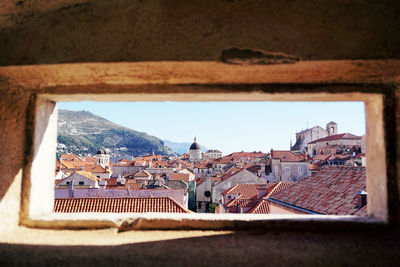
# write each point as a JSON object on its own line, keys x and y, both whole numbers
{"x": 203, "y": 195}
{"x": 80, "y": 179}
{"x": 195, "y": 151}
{"x": 240, "y": 177}
{"x": 213, "y": 154}
{"x": 103, "y": 158}
{"x": 306, "y": 136}
{"x": 345, "y": 139}
{"x": 288, "y": 166}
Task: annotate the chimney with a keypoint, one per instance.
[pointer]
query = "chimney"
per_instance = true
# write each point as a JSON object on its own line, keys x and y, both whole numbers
{"x": 261, "y": 190}
{"x": 361, "y": 199}
{"x": 71, "y": 189}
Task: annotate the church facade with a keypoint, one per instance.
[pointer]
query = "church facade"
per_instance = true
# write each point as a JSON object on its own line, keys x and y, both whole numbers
{"x": 309, "y": 135}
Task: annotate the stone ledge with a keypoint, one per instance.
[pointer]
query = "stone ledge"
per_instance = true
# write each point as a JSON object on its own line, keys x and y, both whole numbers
{"x": 101, "y": 75}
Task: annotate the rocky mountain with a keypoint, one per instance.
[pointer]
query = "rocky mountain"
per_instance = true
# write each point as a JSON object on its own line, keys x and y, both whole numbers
{"x": 181, "y": 148}
{"x": 82, "y": 132}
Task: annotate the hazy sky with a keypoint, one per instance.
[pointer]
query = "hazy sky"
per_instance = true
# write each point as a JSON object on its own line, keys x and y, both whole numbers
{"x": 228, "y": 126}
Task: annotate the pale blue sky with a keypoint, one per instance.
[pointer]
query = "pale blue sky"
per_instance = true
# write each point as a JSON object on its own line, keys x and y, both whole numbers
{"x": 228, "y": 126}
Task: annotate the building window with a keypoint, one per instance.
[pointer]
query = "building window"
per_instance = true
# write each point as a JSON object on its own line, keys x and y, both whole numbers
{"x": 45, "y": 109}
{"x": 300, "y": 169}
{"x": 287, "y": 170}
{"x": 81, "y": 183}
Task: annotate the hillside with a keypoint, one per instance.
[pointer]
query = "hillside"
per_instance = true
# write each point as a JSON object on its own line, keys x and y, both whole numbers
{"x": 82, "y": 132}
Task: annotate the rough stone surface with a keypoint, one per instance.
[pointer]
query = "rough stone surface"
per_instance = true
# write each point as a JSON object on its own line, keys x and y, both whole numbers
{"x": 13, "y": 108}
{"x": 253, "y": 57}
{"x": 106, "y": 80}
{"x": 232, "y": 249}
{"x": 41, "y": 31}
{"x": 59, "y": 31}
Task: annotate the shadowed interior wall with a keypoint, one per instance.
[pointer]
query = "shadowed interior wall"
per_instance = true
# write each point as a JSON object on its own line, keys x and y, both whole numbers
{"x": 40, "y": 31}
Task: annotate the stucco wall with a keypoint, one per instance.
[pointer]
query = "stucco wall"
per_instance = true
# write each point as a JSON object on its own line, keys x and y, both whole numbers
{"x": 239, "y": 178}
{"x": 294, "y": 170}
{"x": 76, "y": 178}
{"x": 36, "y": 32}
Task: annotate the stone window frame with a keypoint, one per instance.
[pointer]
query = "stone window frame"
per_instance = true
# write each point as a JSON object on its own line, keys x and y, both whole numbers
{"x": 287, "y": 170}
{"x": 300, "y": 170}
{"x": 201, "y": 81}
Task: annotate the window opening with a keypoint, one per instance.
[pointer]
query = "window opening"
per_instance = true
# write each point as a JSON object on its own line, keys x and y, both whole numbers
{"x": 219, "y": 160}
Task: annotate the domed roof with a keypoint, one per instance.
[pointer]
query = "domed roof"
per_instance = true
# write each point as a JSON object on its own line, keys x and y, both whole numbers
{"x": 195, "y": 145}
{"x": 102, "y": 151}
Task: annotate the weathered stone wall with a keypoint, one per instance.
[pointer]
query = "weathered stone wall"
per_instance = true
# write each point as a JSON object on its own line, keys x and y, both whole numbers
{"x": 41, "y": 31}
{"x": 33, "y": 32}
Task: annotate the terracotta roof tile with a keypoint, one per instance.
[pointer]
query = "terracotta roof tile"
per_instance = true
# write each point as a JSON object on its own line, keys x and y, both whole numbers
{"x": 244, "y": 190}
{"x": 70, "y": 157}
{"x": 179, "y": 176}
{"x": 203, "y": 165}
{"x": 278, "y": 187}
{"x": 142, "y": 173}
{"x": 262, "y": 207}
{"x": 163, "y": 164}
{"x": 88, "y": 175}
{"x": 89, "y": 159}
{"x": 333, "y": 190}
{"x": 77, "y": 164}
{"x": 132, "y": 184}
{"x": 247, "y": 194}
{"x": 124, "y": 160}
{"x": 321, "y": 157}
{"x": 336, "y": 137}
{"x": 118, "y": 205}
{"x": 286, "y": 156}
{"x": 247, "y": 155}
{"x": 223, "y": 160}
{"x": 149, "y": 157}
{"x": 95, "y": 168}
{"x": 67, "y": 164}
